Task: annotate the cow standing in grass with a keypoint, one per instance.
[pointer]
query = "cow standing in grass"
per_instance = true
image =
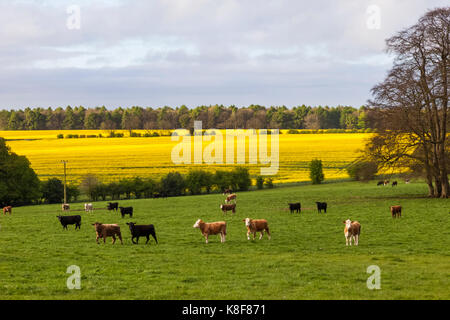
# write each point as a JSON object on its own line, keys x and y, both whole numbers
{"x": 396, "y": 211}
{"x": 295, "y": 207}
{"x": 141, "y": 231}
{"x": 257, "y": 225}
{"x": 107, "y": 230}
{"x": 212, "y": 228}
{"x": 351, "y": 231}
{"x": 66, "y": 220}
{"x": 7, "y": 209}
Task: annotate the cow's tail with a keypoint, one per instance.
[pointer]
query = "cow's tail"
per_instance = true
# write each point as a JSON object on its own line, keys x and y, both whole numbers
{"x": 225, "y": 229}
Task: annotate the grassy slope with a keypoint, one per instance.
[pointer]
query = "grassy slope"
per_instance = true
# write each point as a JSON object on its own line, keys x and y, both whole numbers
{"x": 306, "y": 258}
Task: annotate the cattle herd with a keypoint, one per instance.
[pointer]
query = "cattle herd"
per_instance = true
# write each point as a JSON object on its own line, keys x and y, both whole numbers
{"x": 352, "y": 229}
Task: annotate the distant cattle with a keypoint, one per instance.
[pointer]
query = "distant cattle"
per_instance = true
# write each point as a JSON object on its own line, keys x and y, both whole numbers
{"x": 227, "y": 191}
{"x": 88, "y": 207}
{"x": 394, "y": 183}
{"x": 380, "y": 183}
{"x": 386, "y": 182}
{"x": 396, "y": 211}
{"x": 212, "y": 228}
{"x": 141, "y": 231}
{"x": 112, "y": 206}
{"x": 66, "y": 220}
{"x": 228, "y": 207}
{"x": 65, "y": 207}
{"x": 230, "y": 197}
{"x": 7, "y": 209}
{"x": 126, "y": 210}
{"x": 321, "y": 206}
{"x": 257, "y": 225}
{"x": 295, "y": 207}
{"x": 406, "y": 181}
{"x": 107, "y": 230}
{"x": 352, "y": 231}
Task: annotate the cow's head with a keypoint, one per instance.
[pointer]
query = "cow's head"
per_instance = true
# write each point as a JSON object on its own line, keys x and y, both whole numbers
{"x": 96, "y": 224}
{"x": 131, "y": 225}
{"x": 197, "y": 223}
{"x": 347, "y": 223}
{"x": 59, "y": 218}
{"x": 247, "y": 221}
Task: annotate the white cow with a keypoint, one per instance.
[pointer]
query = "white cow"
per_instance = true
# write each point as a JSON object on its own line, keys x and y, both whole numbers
{"x": 88, "y": 207}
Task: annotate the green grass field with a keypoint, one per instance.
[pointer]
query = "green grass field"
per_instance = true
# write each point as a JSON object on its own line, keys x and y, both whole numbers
{"x": 305, "y": 259}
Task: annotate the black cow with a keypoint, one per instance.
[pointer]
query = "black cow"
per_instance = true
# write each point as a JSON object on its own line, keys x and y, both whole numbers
{"x": 113, "y": 206}
{"x": 394, "y": 183}
{"x": 141, "y": 231}
{"x": 295, "y": 207}
{"x": 321, "y": 206}
{"x": 380, "y": 183}
{"x": 65, "y": 220}
{"x": 126, "y": 210}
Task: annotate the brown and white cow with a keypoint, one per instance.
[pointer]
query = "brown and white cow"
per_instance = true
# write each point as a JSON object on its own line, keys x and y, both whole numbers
{"x": 212, "y": 228}
{"x": 228, "y": 207}
{"x": 351, "y": 231}
{"x": 257, "y": 225}
{"x": 396, "y": 211}
{"x": 107, "y": 230}
{"x": 7, "y": 209}
{"x": 231, "y": 197}
{"x": 88, "y": 207}
{"x": 65, "y": 206}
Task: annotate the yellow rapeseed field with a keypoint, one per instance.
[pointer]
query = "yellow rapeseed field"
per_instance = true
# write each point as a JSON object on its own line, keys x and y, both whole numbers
{"x": 114, "y": 158}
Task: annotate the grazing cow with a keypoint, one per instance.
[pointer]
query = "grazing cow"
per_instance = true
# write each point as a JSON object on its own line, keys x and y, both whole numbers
{"x": 254, "y": 226}
{"x": 321, "y": 206}
{"x": 228, "y": 207}
{"x": 231, "y": 197}
{"x": 380, "y": 183}
{"x": 65, "y": 207}
{"x": 212, "y": 228}
{"x": 112, "y": 206}
{"x": 406, "y": 181}
{"x": 227, "y": 191}
{"x": 396, "y": 211}
{"x": 141, "y": 231}
{"x": 107, "y": 230}
{"x": 351, "y": 231}
{"x": 386, "y": 182}
{"x": 88, "y": 207}
{"x": 295, "y": 207}
{"x": 394, "y": 183}
{"x": 66, "y": 220}
{"x": 7, "y": 209}
{"x": 126, "y": 210}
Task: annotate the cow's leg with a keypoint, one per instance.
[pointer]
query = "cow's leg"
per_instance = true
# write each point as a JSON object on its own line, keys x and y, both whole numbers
{"x": 120, "y": 238}
{"x": 357, "y": 239}
{"x": 268, "y": 233}
{"x": 132, "y": 239}
{"x": 154, "y": 237}
{"x": 248, "y": 235}
{"x": 261, "y": 235}
{"x": 137, "y": 239}
{"x": 206, "y": 238}
{"x": 223, "y": 237}
{"x": 113, "y": 239}
{"x": 346, "y": 241}
{"x": 148, "y": 238}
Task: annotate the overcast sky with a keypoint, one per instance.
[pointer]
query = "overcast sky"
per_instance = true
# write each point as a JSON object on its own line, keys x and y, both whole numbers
{"x": 196, "y": 52}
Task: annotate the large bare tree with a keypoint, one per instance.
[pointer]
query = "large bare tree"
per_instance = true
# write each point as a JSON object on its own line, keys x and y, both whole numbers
{"x": 412, "y": 102}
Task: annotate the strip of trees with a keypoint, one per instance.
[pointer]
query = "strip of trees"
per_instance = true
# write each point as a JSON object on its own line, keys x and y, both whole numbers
{"x": 411, "y": 105}
{"x": 166, "y": 118}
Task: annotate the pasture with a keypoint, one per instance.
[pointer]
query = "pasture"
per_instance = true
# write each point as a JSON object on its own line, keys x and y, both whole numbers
{"x": 115, "y": 158}
{"x": 305, "y": 259}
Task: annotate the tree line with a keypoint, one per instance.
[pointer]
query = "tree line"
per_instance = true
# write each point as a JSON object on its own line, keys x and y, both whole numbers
{"x": 166, "y": 118}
